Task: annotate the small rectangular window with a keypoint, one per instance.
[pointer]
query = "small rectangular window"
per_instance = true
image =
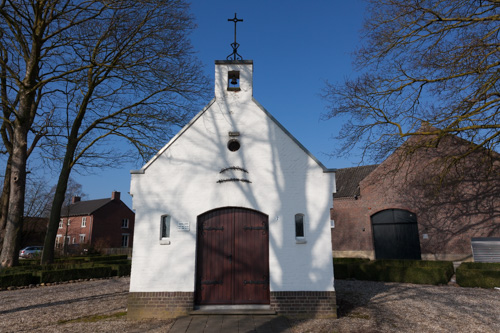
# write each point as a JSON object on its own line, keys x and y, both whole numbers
{"x": 84, "y": 221}
{"x": 124, "y": 223}
{"x": 299, "y": 229}
{"x": 125, "y": 240}
{"x": 299, "y": 225}
{"x": 82, "y": 238}
{"x": 69, "y": 222}
{"x": 165, "y": 226}
{"x": 60, "y": 224}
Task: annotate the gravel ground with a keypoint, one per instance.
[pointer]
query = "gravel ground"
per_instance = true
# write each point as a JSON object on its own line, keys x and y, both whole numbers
{"x": 100, "y": 305}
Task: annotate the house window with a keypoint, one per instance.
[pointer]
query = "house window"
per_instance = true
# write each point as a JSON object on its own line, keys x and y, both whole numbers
{"x": 125, "y": 240}
{"x": 299, "y": 228}
{"x": 82, "y": 238}
{"x": 69, "y": 222}
{"x": 74, "y": 240}
{"x": 60, "y": 223}
{"x": 84, "y": 221}
{"x": 124, "y": 223}
{"x": 58, "y": 241}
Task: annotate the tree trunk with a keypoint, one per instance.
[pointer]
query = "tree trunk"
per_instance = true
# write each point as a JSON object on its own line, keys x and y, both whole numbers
{"x": 57, "y": 203}
{"x": 4, "y": 201}
{"x": 14, "y": 223}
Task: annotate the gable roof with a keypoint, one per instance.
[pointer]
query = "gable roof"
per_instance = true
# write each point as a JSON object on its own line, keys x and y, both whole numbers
{"x": 84, "y": 207}
{"x": 348, "y": 179}
{"x": 185, "y": 128}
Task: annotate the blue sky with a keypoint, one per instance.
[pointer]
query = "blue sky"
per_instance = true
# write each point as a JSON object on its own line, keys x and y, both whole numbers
{"x": 295, "y": 46}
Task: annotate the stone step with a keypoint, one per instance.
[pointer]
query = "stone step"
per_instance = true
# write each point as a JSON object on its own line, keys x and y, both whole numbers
{"x": 245, "y": 312}
{"x": 262, "y": 310}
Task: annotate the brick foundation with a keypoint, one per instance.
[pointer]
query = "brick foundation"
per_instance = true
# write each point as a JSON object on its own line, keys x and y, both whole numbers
{"x": 307, "y": 304}
{"x": 160, "y": 305}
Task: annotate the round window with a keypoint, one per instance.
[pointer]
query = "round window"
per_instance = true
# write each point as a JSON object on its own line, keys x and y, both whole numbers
{"x": 233, "y": 145}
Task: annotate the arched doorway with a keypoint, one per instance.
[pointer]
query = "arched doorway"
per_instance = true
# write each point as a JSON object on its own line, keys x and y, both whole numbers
{"x": 395, "y": 235}
{"x": 232, "y": 264}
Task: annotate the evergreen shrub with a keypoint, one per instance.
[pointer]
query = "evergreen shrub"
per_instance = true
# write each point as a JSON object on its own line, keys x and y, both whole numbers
{"x": 404, "y": 271}
{"x": 75, "y": 274}
{"x": 475, "y": 274}
{"x": 17, "y": 280}
{"x": 107, "y": 258}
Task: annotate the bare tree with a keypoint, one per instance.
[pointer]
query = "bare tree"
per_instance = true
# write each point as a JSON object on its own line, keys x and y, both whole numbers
{"x": 21, "y": 39}
{"x": 431, "y": 62}
{"x": 39, "y": 196}
{"x": 95, "y": 70}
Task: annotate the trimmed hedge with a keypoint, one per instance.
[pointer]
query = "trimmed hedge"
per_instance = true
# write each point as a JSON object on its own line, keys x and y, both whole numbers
{"x": 349, "y": 260}
{"x": 405, "y": 271}
{"x": 121, "y": 270}
{"x": 66, "y": 269}
{"x": 107, "y": 258}
{"x": 75, "y": 274}
{"x": 478, "y": 274}
{"x": 17, "y": 280}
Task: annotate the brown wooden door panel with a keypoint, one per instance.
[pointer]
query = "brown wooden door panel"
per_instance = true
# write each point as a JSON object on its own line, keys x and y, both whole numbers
{"x": 214, "y": 261}
{"x": 232, "y": 257}
{"x": 252, "y": 265}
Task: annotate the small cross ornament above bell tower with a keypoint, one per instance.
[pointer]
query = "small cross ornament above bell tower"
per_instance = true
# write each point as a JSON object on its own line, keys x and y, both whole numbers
{"x": 235, "y": 45}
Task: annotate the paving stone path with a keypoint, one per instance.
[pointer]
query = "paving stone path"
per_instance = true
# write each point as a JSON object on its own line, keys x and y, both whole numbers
{"x": 231, "y": 324}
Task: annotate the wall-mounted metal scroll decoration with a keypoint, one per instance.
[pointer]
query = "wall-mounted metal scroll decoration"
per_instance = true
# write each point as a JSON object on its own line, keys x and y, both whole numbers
{"x": 203, "y": 228}
{"x": 235, "y": 45}
{"x": 213, "y": 228}
{"x": 220, "y": 181}
{"x": 264, "y": 228}
{"x": 264, "y": 282}
{"x": 234, "y": 168}
{"x": 211, "y": 282}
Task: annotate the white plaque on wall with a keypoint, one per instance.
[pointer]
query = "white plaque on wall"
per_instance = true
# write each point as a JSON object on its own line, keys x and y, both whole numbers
{"x": 183, "y": 226}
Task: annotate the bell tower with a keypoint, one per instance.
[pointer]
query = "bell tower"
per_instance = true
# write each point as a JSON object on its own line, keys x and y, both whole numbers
{"x": 233, "y": 76}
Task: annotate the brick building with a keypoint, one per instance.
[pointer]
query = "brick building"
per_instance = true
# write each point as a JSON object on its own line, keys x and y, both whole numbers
{"x": 101, "y": 223}
{"x": 411, "y": 206}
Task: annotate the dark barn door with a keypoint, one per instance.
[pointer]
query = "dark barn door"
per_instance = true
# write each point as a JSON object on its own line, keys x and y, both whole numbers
{"x": 395, "y": 235}
{"x": 232, "y": 264}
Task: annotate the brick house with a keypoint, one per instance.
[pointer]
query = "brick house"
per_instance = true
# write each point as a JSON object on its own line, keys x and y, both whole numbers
{"x": 411, "y": 207}
{"x": 101, "y": 223}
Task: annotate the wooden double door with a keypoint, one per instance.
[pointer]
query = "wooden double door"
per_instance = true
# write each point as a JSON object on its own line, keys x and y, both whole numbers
{"x": 395, "y": 235}
{"x": 232, "y": 264}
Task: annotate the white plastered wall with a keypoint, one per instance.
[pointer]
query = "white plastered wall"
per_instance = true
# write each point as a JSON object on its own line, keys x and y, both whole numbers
{"x": 181, "y": 181}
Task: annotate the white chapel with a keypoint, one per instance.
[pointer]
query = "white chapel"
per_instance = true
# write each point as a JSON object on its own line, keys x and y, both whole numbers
{"x": 233, "y": 211}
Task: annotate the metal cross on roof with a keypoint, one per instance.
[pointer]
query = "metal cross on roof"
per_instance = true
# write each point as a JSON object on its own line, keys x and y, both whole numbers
{"x": 235, "y": 45}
